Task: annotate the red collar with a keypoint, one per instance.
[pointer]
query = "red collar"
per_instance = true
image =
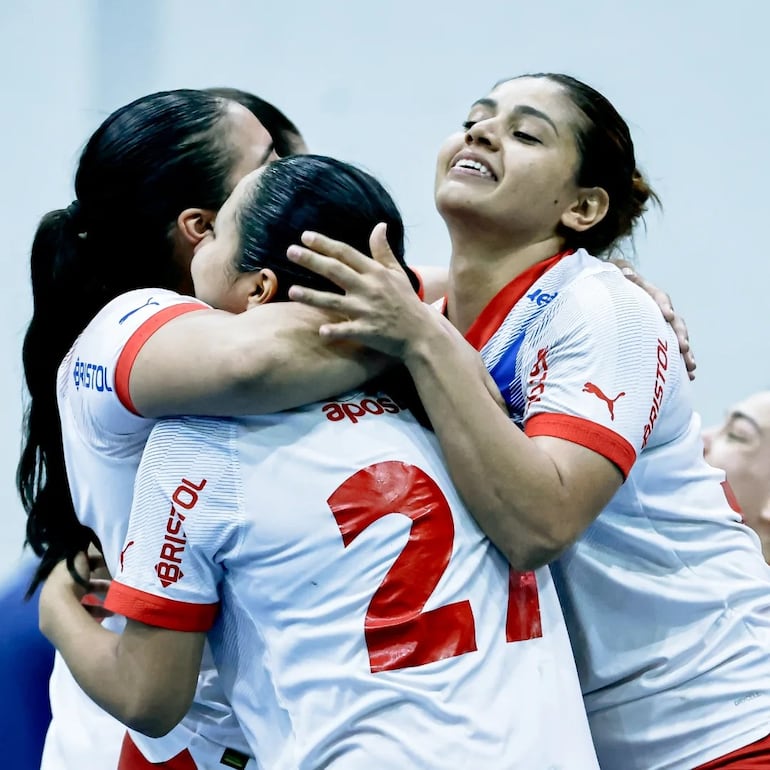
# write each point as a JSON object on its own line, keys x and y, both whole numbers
{"x": 490, "y": 318}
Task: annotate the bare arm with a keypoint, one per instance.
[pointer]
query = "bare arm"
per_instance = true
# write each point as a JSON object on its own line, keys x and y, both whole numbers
{"x": 532, "y": 496}
{"x": 145, "y": 677}
{"x": 261, "y": 361}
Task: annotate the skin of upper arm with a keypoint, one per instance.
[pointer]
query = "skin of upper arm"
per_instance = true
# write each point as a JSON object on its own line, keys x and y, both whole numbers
{"x": 261, "y": 361}
{"x": 589, "y": 481}
{"x": 165, "y": 666}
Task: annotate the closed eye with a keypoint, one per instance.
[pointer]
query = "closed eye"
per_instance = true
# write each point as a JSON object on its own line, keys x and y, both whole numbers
{"x": 469, "y": 124}
{"x": 526, "y": 137}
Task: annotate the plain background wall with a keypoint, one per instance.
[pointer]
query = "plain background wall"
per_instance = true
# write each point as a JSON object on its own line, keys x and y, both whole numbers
{"x": 381, "y": 84}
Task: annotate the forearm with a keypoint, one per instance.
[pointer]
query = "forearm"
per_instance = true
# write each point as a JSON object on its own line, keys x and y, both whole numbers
{"x": 144, "y": 677}
{"x": 259, "y": 362}
{"x": 297, "y": 367}
{"x": 92, "y": 655}
{"x": 511, "y": 487}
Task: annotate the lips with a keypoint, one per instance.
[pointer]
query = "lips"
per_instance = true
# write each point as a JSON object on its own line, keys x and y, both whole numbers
{"x": 473, "y": 164}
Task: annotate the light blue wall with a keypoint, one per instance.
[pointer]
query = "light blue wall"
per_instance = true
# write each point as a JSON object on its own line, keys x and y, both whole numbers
{"x": 382, "y": 83}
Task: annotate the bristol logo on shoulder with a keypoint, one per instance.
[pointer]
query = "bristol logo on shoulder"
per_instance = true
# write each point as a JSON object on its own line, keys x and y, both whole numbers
{"x": 91, "y": 376}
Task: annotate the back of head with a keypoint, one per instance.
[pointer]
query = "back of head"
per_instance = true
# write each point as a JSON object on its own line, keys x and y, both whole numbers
{"x": 607, "y": 160}
{"x": 287, "y": 139}
{"x": 313, "y": 192}
{"x": 143, "y": 166}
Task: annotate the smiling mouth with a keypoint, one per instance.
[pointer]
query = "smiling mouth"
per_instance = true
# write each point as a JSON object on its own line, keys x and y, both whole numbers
{"x": 474, "y": 168}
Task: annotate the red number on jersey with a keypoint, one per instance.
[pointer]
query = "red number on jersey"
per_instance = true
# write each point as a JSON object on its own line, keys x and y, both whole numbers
{"x": 398, "y": 633}
{"x": 523, "y": 619}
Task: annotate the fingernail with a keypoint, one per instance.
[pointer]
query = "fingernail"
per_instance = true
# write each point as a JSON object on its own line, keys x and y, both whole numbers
{"x": 627, "y": 271}
{"x": 293, "y": 252}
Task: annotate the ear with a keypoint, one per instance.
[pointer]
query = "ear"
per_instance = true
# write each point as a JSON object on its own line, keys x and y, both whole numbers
{"x": 193, "y": 224}
{"x": 587, "y": 210}
{"x": 262, "y": 286}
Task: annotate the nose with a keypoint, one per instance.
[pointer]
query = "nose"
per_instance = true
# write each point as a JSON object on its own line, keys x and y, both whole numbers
{"x": 481, "y": 132}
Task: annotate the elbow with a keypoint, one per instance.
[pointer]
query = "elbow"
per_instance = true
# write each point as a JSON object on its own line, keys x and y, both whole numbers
{"x": 149, "y": 726}
{"x": 155, "y": 718}
{"x": 152, "y": 724}
{"x": 527, "y": 552}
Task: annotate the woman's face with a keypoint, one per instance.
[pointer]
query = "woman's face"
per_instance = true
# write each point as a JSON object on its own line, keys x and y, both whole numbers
{"x": 254, "y": 147}
{"x": 252, "y": 139}
{"x": 214, "y": 269}
{"x": 514, "y": 165}
{"x": 740, "y": 446}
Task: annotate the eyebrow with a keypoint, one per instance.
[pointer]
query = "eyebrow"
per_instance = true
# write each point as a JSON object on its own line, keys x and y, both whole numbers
{"x": 743, "y": 416}
{"x": 521, "y": 109}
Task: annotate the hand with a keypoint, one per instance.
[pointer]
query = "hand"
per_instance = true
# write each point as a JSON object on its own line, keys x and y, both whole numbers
{"x": 379, "y": 307}
{"x": 61, "y": 593}
{"x": 663, "y": 301}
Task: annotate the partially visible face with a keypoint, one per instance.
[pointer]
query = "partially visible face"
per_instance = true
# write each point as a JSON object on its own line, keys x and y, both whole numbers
{"x": 252, "y": 140}
{"x": 214, "y": 265}
{"x": 516, "y": 161}
{"x": 741, "y": 447}
{"x": 255, "y": 149}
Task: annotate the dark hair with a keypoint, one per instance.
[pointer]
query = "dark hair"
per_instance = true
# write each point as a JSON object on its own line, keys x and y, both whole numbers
{"x": 315, "y": 192}
{"x": 606, "y": 160}
{"x": 312, "y": 192}
{"x": 287, "y": 139}
{"x": 145, "y": 164}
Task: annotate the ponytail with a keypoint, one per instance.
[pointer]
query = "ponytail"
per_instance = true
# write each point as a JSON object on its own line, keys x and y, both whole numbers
{"x": 53, "y": 530}
{"x": 150, "y": 159}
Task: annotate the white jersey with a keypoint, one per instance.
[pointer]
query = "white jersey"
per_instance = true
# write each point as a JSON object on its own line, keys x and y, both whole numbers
{"x": 666, "y": 595}
{"x": 349, "y": 637}
{"x": 103, "y": 439}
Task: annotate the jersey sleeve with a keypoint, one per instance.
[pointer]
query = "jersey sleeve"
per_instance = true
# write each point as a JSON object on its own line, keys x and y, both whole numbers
{"x": 186, "y": 522}
{"x": 597, "y": 369}
{"x": 94, "y": 377}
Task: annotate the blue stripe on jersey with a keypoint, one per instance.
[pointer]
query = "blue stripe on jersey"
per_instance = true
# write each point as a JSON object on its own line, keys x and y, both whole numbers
{"x": 504, "y": 371}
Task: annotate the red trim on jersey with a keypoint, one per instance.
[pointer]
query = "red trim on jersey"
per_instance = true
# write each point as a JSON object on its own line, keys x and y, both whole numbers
{"x": 493, "y": 315}
{"x": 755, "y": 756}
{"x": 136, "y": 341}
{"x": 133, "y": 759}
{"x": 158, "y": 611}
{"x": 589, "y": 434}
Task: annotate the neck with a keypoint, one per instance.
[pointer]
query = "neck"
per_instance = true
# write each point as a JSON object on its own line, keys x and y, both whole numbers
{"x": 479, "y": 269}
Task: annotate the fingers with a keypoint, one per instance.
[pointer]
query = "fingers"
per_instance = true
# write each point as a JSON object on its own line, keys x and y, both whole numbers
{"x": 337, "y": 250}
{"x": 380, "y": 248}
{"x": 78, "y": 568}
{"x": 323, "y": 300}
{"x": 330, "y": 268}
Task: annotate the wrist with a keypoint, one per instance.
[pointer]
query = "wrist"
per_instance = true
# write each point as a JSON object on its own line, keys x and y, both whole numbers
{"x": 428, "y": 342}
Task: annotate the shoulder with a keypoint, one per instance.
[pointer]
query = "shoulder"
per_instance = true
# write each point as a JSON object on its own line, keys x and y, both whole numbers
{"x": 595, "y": 294}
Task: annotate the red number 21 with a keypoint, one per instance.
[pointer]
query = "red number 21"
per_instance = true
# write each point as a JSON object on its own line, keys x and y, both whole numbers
{"x": 398, "y": 632}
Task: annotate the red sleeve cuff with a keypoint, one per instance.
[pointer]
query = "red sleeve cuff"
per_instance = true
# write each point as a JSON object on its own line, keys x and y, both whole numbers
{"x": 157, "y": 611}
{"x": 136, "y": 341}
{"x": 589, "y": 434}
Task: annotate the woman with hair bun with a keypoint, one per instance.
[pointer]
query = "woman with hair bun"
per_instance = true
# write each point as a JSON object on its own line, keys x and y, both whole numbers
{"x": 597, "y": 468}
